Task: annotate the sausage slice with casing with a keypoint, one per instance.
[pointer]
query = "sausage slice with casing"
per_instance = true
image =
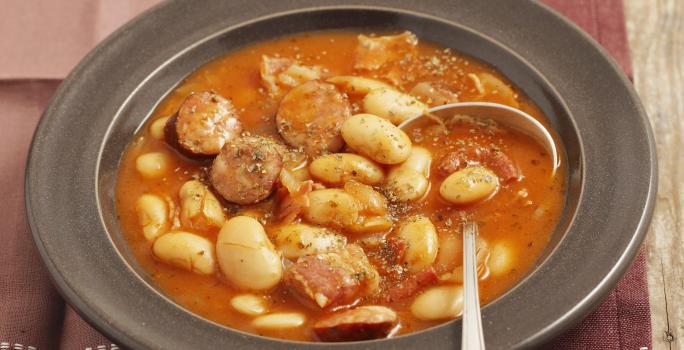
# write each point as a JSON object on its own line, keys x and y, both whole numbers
{"x": 246, "y": 170}
{"x": 204, "y": 123}
{"x": 311, "y": 116}
{"x": 361, "y": 323}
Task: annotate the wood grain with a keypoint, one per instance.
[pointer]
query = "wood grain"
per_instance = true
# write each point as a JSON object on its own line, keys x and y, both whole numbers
{"x": 656, "y": 36}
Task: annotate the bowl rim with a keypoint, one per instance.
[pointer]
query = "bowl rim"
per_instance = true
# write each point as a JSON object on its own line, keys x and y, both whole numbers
{"x": 543, "y": 335}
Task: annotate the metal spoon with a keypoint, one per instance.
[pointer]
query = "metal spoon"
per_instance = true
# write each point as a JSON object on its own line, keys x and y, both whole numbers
{"x": 501, "y": 114}
{"x": 472, "y": 336}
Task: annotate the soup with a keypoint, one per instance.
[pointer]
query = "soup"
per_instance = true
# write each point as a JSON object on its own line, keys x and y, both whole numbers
{"x": 272, "y": 192}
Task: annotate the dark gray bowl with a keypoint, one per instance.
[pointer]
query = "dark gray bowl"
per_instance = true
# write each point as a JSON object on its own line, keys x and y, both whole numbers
{"x": 71, "y": 172}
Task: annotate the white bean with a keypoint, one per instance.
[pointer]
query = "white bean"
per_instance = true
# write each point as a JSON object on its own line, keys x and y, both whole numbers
{"x": 450, "y": 253}
{"x": 481, "y": 259}
{"x": 372, "y": 202}
{"x": 502, "y": 259}
{"x": 469, "y": 185}
{"x": 376, "y": 138}
{"x": 296, "y": 240}
{"x": 186, "y": 250}
{"x": 392, "y": 105}
{"x": 406, "y": 185}
{"x": 354, "y": 85}
{"x": 381, "y": 98}
{"x": 438, "y": 303}
{"x": 199, "y": 207}
{"x": 246, "y": 256}
{"x": 422, "y": 243}
{"x": 153, "y": 216}
{"x": 157, "y": 128}
{"x": 419, "y": 160}
{"x": 370, "y": 224}
{"x": 408, "y": 181}
{"x": 332, "y": 207}
{"x": 336, "y": 169}
{"x": 249, "y": 304}
{"x": 153, "y": 165}
{"x": 280, "y": 320}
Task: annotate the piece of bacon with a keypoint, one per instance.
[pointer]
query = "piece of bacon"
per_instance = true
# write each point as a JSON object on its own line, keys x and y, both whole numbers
{"x": 398, "y": 283}
{"x": 411, "y": 285}
{"x": 292, "y": 197}
{"x": 498, "y": 161}
{"x": 389, "y": 256}
{"x": 333, "y": 278}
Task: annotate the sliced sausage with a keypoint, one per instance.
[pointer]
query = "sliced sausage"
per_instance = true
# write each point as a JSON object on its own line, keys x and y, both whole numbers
{"x": 333, "y": 278}
{"x": 362, "y": 323}
{"x": 246, "y": 170}
{"x": 311, "y": 115}
{"x": 204, "y": 123}
{"x": 496, "y": 160}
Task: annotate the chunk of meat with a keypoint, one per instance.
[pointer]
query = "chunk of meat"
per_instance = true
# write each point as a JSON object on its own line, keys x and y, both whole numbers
{"x": 410, "y": 285}
{"x": 277, "y": 72}
{"x": 375, "y": 52}
{"x": 311, "y": 116}
{"x": 390, "y": 57}
{"x": 246, "y": 170}
{"x": 397, "y": 282}
{"x": 433, "y": 94}
{"x": 361, "y": 323}
{"x": 333, "y": 278}
{"x": 492, "y": 158}
{"x": 388, "y": 256}
{"x": 204, "y": 122}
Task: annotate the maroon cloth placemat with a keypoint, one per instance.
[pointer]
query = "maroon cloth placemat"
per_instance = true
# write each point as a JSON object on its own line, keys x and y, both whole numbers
{"x": 33, "y": 315}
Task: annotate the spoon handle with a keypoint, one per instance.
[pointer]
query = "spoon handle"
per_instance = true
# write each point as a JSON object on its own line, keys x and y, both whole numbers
{"x": 472, "y": 335}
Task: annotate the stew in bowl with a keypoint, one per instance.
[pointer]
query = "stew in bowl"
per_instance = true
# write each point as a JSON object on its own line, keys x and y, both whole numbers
{"x": 271, "y": 191}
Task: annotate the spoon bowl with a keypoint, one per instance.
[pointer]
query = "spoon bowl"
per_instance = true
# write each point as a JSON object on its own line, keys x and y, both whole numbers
{"x": 502, "y": 115}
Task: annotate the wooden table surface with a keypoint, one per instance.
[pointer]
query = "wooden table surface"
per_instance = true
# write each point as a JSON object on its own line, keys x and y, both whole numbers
{"x": 656, "y": 38}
